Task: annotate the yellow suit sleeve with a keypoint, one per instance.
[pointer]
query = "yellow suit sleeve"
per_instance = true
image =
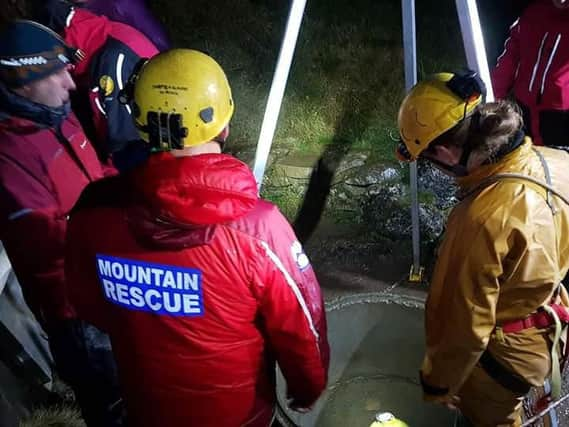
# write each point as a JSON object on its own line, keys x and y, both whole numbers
{"x": 461, "y": 308}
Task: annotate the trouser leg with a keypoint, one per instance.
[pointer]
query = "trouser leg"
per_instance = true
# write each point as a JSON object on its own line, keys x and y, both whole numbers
{"x": 485, "y": 403}
{"x": 84, "y": 359}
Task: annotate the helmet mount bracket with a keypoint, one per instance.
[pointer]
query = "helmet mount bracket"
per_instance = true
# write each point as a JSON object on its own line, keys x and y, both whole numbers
{"x": 165, "y": 131}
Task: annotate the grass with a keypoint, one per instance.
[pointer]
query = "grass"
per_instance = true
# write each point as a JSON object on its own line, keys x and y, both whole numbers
{"x": 347, "y": 77}
{"x": 54, "y": 417}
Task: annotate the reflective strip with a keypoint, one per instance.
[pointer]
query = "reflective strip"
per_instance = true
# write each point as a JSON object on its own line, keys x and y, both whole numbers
{"x": 555, "y": 46}
{"x": 504, "y": 52}
{"x": 99, "y": 106}
{"x": 120, "y": 62}
{"x": 95, "y": 89}
{"x": 293, "y": 286}
{"x": 70, "y": 17}
{"x": 19, "y": 214}
{"x": 537, "y": 61}
{"x": 506, "y": 42}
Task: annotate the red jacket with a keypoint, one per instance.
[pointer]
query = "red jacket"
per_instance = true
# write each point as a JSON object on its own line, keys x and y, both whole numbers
{"x": 41, "y": 177}
{"x": 89, "y": 32}
{"x": 535, "y": 64}
{"x": 201, "y": 286}
{"x": 112, "y": 51}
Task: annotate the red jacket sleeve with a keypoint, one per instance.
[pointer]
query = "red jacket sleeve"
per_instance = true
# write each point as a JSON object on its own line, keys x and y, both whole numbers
{"x": 33, "y": 232}
{"x": 504, "y": 74}
{"x": 293, "y": 313}
{"x": 81, "y": 273}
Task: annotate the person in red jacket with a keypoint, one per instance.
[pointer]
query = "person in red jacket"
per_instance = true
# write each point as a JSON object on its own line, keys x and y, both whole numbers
{"x": 200, "y": 284}
{"x": 535, "y": 66}
{"x": 135, "y": 13}
{"x": 45, "y": 162}
{"x": 111, "y": 51}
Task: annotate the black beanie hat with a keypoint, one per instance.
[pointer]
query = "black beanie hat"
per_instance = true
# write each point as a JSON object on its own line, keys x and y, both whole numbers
{"x": 30, "y": 51}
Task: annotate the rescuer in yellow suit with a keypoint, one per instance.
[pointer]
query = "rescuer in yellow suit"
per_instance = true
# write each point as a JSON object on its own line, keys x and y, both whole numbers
{"x": 495, "y": 314}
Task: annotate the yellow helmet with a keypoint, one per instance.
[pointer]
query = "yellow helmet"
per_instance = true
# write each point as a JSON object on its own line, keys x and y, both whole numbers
{"x": 181, "y": 98}
{"x": 433, "y": 107}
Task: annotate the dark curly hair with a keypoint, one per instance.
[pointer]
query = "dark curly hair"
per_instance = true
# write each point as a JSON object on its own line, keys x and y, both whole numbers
{"x": 489, "y": 128}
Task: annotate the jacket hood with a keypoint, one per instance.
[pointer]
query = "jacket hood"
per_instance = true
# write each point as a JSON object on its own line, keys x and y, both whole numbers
{"x": 200, "y": 190}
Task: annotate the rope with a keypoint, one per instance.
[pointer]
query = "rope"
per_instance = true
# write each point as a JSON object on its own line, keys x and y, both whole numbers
{"x": 499, "y": 177}
{"x": 543, "y": 413}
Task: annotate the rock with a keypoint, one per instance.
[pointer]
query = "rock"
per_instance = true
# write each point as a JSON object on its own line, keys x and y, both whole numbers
{"x": 441, "y": 186}
{"x": 372, "y": 175}
{"x": 386, "y": 211}
{"x": 375, "y": 197}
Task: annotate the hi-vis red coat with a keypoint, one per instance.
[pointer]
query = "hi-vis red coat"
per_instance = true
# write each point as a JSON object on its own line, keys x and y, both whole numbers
{"x": 90, "y": 32}
{"x": 112, "y": 51}
{"x": 535, "y": 65}
{"x": 202, "y": 286}
{"x": 42, "y": 173}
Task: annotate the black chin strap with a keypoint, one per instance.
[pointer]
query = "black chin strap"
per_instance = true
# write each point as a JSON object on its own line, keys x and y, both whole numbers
{"x": 460, "y": 169}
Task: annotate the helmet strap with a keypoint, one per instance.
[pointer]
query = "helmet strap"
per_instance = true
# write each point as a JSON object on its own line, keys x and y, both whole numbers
{"x": 222, "y": 137}
{"x": 462, "y": 167}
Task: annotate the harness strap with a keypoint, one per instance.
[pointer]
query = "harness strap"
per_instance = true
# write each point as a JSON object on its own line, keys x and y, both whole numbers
{"x": 549, "y": 315}
{"x": 541, "y": 319}
{"x": 552, "y": 314}
{"x": 555, "y": 367}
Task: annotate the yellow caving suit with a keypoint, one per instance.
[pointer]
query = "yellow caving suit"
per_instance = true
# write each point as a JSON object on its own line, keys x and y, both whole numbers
{"x": 502, "y": 257}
